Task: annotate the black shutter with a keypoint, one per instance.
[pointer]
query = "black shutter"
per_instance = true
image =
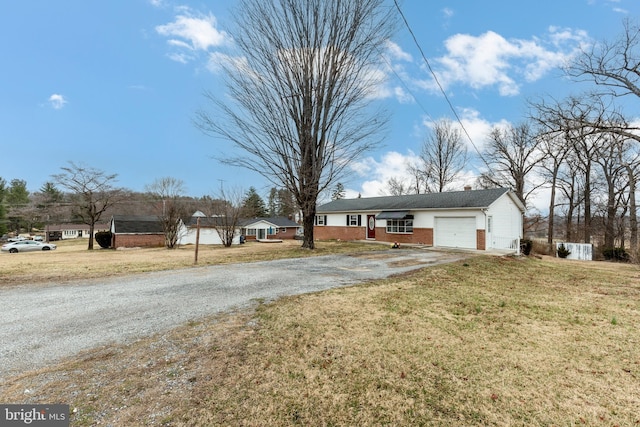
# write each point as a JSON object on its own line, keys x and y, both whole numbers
{"x": 359, "y": 220}
{"x": 325, "y": 220}
{"x": 347, "y": 220}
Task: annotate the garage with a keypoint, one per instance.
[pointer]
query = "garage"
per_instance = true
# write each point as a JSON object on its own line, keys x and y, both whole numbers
{"x": 455, "y": 232}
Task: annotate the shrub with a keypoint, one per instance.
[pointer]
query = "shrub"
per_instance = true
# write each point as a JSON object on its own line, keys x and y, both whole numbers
{"x": 525, "y": 246}
{"x": 540, "y": 247}
{"x": 104, "y": 239}
{"x": 563, "y": 252}
{"x": 615, "y": 254}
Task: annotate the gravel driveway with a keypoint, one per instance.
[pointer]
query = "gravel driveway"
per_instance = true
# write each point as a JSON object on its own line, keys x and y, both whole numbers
{"x": 40, "y": 324}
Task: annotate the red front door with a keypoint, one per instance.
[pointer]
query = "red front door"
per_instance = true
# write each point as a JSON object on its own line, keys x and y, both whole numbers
{"x": 371, "y": 226}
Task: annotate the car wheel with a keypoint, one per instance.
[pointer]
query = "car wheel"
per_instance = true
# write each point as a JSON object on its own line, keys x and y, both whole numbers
{"x": 13, "y": 251}
{"x": 46, "y": 248}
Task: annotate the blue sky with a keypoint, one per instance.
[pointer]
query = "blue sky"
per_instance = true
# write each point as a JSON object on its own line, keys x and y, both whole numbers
{"x": 115, "y": 85}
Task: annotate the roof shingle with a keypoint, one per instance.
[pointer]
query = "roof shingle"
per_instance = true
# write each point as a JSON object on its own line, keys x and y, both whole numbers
{"x": 448, "y": 200}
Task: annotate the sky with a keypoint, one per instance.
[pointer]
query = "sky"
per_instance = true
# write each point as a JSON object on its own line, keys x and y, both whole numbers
{"x": 115, "y": 85}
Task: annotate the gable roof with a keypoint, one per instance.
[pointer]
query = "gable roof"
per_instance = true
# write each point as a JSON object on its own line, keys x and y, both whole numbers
{"x": 136, "y": 224}
{"x": 212, "y": 221}
{"x": 449, "y": 200}
{"x": 278, "y": 221}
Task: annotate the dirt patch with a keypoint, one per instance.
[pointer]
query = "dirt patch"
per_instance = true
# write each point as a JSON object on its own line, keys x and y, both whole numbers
{"x": 408, "y": 263}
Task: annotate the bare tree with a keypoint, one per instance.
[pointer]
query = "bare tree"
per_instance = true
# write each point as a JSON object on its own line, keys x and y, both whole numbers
{"x": 555, "y": 149}
{"x": 92, "y": 193}
{"x": 396, "y": 187}
{"x": 443, "y": 156}
{"x": 225, "y": 211}
{"x": 301, "y": 97}
{"x": 630, "y": 161}
{"x": 613, "y": 66}
{"x": 167, "y": 197}
{"x": 513, "y": 153}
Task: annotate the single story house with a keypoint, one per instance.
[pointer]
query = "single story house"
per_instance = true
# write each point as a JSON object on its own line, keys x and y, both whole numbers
{"x": 132, "y": 231}
{"x": 472, "y": 219}
{"x": 71, "y": 231}
{"x": 270, "y": 228}
{"x": 251, "y": 229}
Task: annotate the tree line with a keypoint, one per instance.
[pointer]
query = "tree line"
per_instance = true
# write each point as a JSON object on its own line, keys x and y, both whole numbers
{"x": 583, "y": 149}
{"x": 85, "y": 195}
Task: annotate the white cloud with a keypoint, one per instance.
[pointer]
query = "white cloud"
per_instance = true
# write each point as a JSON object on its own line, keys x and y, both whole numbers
{"x": 192, "y": 33}
{"x": 490, "y": 60}
{"x": 476, "y": 127}
{"x": 57, "y": 101}
{"x": 391, "y": 165}
{"x": 395, "y": 52}
{"x": 183, "y": 58}
{"x": 375, "y": 173}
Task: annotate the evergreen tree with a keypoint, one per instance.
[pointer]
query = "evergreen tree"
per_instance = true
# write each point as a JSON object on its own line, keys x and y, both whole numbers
{"x": 273, "y": 202}
{"x": 50, "y": 193}
{"x": 17, "y": 199}
{"x": 286, "y": 204}
{"x": 3, "y": 209}
{"x": 253, "y": 205}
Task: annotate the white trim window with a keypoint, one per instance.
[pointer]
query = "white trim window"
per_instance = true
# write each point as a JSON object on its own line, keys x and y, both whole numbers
{"x": 321, "y": 220}
{"x": 400, "y": 226}
{"x": 353, "y": 220}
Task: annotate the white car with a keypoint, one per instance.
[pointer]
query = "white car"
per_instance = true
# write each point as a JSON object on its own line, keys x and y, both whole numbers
{"x": 26, "y": 246}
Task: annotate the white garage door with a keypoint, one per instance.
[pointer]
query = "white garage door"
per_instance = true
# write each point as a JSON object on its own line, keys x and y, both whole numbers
{"x": 455, "y": 232}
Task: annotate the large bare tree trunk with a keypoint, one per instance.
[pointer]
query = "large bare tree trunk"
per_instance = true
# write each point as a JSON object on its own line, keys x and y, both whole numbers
{"x": 299, "y": 107}
{"x": 633, "y": 212}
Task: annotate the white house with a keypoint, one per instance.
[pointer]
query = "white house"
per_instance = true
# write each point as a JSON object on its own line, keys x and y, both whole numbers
{"x": 270, "y": 228}
{"x": 251, "y": 229}
{"x": 208, "y": 233}
{"x": 478, "y": 219}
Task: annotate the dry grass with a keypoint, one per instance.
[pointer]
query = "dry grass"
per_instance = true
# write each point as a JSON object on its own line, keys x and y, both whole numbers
{"x": 71, "y": 260}
{"x": 492, "y": 341}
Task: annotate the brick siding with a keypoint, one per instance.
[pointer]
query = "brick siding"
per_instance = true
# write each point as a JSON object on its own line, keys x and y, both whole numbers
{"x": 481, "y": 243}
{"x": 419, "y": 236}
{"x": 328, "y": 232}
{"x": 137, "y": 240}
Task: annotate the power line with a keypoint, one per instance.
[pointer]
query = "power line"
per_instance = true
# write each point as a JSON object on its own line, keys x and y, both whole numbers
{"x": 435, "y": 78}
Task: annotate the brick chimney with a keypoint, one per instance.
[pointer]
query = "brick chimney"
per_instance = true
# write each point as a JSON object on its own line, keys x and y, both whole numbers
{"x": 467, "y": 188}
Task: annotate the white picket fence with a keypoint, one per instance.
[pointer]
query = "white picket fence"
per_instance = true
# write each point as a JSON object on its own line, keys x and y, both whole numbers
{"x": 506, "y": 243}
{"x": 579, "y": 251}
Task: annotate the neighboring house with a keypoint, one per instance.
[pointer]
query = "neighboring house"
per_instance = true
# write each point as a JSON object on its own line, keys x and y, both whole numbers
{"x": 479, "y": 219}
{"x": 251, "y": 229}
{"x": 132, "y": 231}
{"x": 72, "y": 231}
{"x": 208, "y": 233}
{"x": 270, "y": 228}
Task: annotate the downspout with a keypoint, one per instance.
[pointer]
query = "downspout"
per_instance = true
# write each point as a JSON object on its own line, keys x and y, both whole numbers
{"x": 484, "y": 211}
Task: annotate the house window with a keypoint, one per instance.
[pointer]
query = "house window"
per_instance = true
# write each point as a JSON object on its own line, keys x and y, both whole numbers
{"x": 321, "y": 220}
{"x": 251, "y": 231}
{"x": 353, "y": 220}
{"x": 400, "y": 226}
